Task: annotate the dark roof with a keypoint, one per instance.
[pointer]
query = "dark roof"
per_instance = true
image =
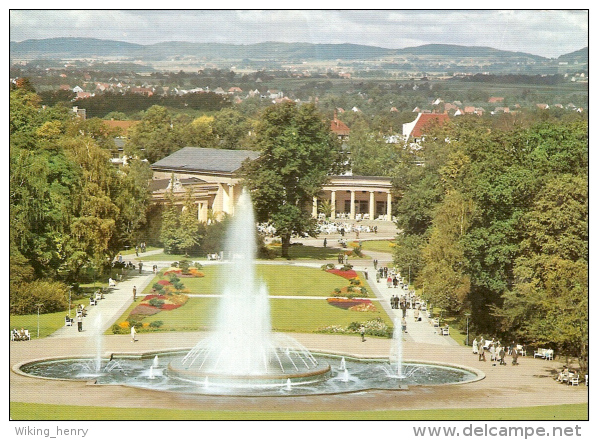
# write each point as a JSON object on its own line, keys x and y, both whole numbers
{"x": 205, "y": 159}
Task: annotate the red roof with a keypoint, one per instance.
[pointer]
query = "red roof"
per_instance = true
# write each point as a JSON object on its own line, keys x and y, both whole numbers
{"x": 426, "y": 120}
{"x": 123, "y": 125}
{"x": 339, "y": 128}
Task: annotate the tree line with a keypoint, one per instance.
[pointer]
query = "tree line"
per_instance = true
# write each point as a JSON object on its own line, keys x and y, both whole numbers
{"x": 494, "y": 223}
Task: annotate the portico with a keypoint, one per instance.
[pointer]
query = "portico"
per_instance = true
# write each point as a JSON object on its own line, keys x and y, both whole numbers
{"x": 355, "y": 198}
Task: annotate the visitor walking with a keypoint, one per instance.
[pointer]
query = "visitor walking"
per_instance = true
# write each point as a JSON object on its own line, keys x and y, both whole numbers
{"x": 80, "y": 322}
{"x": 133, "y": 333}
{"x": 404, "y": 324}
{"x": 362, "y": 333}
{"x": 140, "y": 266}
{"x": 325, "y": 242}
{"x": 365, "y": 273}
{"x": 134, "y": 293}
{"x": 515, "y": 355}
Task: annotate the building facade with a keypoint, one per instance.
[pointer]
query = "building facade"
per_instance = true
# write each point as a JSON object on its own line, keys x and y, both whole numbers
{"x": 211, "y": 177}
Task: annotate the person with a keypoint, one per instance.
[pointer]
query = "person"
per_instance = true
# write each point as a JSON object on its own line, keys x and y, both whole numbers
{"x": 133, "y": 333}
{"x": 515, "y": 355}
{"x": 404, "y": 307}
{"x": 362, "y": 333}
{"x": 404, "y": 324}
{"x": 325, "y": 242}
{"x": 80, "y": 322}
{"x": 134, "y": 293}
{"x": 388, "y": 282}
{"x": 375, "y": 264}
{"x": 481, "y": 354}
{"x": 501, "y": 356}
{"x": 475, "y": 346}
{"x": 563, "y": 374}
{"x": 346, "y": 259}
{"x": 392, "y": 302}
{"x": 365, "y": 273}
{"x": 111, "y": 282}
{"x": 140, "y": 266}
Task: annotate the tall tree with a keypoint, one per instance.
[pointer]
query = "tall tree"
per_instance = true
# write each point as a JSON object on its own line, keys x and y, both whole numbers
{"x": 298, "y": 153}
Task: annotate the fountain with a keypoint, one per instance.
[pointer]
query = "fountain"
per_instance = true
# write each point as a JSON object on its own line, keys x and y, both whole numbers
{"x": 396, "y": 351}
{"x": 243, "y": 351}
{"x": 243, "y": 356}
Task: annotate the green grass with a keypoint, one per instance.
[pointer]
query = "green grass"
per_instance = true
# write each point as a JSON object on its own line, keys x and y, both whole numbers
{"x": 169, "y": 257}
{"x": 48, "y": 323}
{"x": 292, "y": 315}
{"x": 300, "y": 252}
{"x": 377, "y": 245}
{"x": 281, "y": 280}
{"x": 40, "y": 411}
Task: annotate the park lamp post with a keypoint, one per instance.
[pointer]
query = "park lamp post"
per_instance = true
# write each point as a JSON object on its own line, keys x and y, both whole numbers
{"x": 70, "y": 291}
{"x": 39, "y": 306}
{"x": 467, "y": 315}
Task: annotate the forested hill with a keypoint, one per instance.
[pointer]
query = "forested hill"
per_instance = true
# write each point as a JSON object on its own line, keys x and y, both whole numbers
{"x": 77, "y": 47}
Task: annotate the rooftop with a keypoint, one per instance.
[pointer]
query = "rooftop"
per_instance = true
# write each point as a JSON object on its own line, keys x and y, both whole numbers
{"x": 205, "y": 159}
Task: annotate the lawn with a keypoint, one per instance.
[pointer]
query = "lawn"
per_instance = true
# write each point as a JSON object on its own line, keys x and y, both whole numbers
{"x": 377, "y": 245}
{"x": 281, "y": 280}
{"x": 40, "y": 411}
{"x": 288, "y": 314}
{"x": 301, "y": 252}
{"x": 48, "y": 323}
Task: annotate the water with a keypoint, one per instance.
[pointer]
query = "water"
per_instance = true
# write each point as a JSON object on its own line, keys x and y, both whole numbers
{"x": 242, "y": 343}
{"x": 396, "y": 351}
{"x": 358, "y": 375}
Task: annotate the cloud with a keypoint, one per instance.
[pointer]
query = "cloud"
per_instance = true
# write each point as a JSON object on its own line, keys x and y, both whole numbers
{"x": 548, "y": 33}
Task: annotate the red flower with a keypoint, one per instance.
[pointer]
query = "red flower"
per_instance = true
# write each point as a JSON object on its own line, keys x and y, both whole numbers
{"x": 348, "y": 274}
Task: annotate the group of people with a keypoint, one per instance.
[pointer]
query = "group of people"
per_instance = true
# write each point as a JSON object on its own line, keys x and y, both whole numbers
{"x": 496, "y": 351}
{"x": 566, "y": 374}
{"x": 19, "y": 335}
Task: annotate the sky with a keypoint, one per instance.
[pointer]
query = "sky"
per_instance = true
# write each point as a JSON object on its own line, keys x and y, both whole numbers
{"x": 548, "y": 33}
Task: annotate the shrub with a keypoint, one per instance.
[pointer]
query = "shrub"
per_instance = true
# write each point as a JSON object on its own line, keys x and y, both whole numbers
{"x": 173, "y": 278}
{"x": 156, "y": 324}
{"x": 24, "y": 297}
{"x": 118, "y": 330}
{"x": 156, "y": 302}
{"x": 158, "y": 287}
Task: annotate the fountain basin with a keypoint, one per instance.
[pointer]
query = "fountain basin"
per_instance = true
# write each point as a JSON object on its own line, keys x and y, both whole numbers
{"x": 356, "y": 375}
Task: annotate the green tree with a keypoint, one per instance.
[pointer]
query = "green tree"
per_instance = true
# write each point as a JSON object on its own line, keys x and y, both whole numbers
{"x": 170, "y": 223}
{"x": 188, "y": 225}
{"x": 298, "y": 152}
{"x": 154, "y": 137}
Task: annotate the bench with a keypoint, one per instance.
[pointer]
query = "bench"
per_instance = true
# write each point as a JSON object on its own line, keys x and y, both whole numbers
{"x": 212, "y": 257}
{"x": 435, "y": 322}
{"x": 68, "y": 321}
{"x": 17, "y": 336}
{"x": 92, "y": 302}
{"x": 445, "y": 331}
{"x": 544, "y": 353}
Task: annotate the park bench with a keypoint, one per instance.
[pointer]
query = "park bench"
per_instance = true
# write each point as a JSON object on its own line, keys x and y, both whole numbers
{"x": 68, "y": 321}
{"x": 445, "y": 331}
{"x": 544, "y": 353}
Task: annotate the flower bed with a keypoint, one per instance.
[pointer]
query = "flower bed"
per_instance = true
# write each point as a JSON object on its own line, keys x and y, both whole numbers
{"x": 349, "y": 303}
{"x": 147, "y": 307}
{"x": 348, "y": 274}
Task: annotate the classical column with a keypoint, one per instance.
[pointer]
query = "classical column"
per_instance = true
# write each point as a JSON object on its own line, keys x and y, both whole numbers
{"x": 314, "y": 208}
{"x": 352, "y": 215}
{"x": 372, "y": 205}
{"x": 333, "y": 204}
{"x": 388, "y": 207}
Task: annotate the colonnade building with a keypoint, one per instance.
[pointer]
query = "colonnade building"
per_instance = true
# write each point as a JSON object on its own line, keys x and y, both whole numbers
{"x": 210, "y": 174}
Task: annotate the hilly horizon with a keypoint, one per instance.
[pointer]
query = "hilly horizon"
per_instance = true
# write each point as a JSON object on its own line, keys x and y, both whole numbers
{"x": 75, "y": 47}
